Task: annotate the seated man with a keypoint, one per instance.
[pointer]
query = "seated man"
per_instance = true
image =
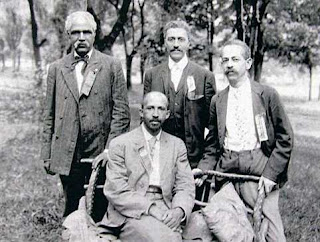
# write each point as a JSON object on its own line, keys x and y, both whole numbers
{"x": 149, "y": 184}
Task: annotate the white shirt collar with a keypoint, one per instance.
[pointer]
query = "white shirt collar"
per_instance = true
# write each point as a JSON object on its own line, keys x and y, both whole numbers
{"x": 89, "y": 53}
{"x": 181, "y": 64}
{"x": 147, "y": 135}
{"x": 244, "y": 88}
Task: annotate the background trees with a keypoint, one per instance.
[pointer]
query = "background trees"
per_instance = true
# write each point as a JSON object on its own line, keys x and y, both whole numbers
{"x": 287, "y": 30}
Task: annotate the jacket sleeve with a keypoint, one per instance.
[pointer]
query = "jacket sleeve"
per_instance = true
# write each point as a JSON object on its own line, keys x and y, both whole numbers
{"x": 184, "y": 187}
{"x": 120, "y": 119}
{"x": 48, "y": 114}
{"x": 280, "y": 155}
{"x": 212, "y": 147}
{"x": 125, "y": 199}
{"x": 210, "y": 88}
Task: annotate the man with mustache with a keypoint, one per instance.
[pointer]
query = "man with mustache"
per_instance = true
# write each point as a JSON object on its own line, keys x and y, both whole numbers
{"x": 249, "y": 133}
{"x": 188, "y": 87}
{"x": 149, "y": 182}
{"x": 86, "y": 107}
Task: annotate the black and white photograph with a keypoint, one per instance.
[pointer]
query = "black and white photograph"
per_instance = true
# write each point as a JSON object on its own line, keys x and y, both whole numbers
{"x": 160, "y": 120}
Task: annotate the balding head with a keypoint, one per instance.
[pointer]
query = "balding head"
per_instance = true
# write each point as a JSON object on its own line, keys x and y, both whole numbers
{"x": 155, "y": 95}
{"x": 154, "y": 111}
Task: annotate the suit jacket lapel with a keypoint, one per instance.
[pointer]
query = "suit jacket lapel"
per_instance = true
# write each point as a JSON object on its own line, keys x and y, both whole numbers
{"x": 182, "y": 83}
{"x": 166, "y": 78}
{"x": 257, "y": 101}
{"x": 142, "y": 150}
{"x": 70, "y": 77}
{"x": 221, "y": 106}
{"x": 91, "y": 72}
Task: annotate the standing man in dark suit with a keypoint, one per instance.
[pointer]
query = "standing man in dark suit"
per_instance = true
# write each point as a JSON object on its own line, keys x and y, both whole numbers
{"x": 149, "y": 182}
{"x": 188, "y": 87}
{"x": 86, "y": 106}
{"x": 249, "y": 133}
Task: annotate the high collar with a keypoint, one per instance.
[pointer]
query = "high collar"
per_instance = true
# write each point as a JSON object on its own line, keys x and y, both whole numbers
{"x": 244, "y": 88}
{"x": 181, "y": 64}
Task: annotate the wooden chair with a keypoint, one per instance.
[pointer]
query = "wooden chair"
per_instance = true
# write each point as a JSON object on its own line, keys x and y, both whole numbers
{"x": 96, "y": 184}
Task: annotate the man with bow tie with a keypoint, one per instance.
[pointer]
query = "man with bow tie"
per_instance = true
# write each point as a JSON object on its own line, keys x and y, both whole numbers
{"x": 188, "y": 87}
{"x": 86, "y": 106}
{"x": 149, "y": 182}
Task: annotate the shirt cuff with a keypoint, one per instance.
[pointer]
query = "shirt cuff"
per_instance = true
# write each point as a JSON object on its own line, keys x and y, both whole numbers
{"x": 184, "y": 214}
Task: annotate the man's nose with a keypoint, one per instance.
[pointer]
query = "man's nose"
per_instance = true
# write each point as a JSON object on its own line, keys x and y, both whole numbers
{"x": 229, "y": 64}
{"x": 176, "y": 43}
{"x": 81, "y": 37}
{"x": 155, "y": 113}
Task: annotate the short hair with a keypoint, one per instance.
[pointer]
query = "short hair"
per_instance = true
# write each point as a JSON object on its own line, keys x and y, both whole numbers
{"x": 82, "y": 15}
{"x": 150, "y": 94}
{"x": 177, "y": 24}
{"x": 246, "y": 52}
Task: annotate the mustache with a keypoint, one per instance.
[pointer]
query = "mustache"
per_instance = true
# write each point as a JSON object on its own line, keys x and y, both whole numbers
{"x": 230, "y": 71}
{"x": 175, "y": 49}
{"x": 82, "y": 44}
{"x": 155, "y": 120}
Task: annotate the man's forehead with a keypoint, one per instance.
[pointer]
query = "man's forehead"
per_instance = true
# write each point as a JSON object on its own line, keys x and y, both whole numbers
{"x": 176, "y": 32}
{"x": 155, "y": 101}
{"x": 81, "y": 24}
{"x": 232, "y": 51}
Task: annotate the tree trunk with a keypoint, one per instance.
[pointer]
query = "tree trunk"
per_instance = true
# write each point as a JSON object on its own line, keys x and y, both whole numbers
{"x": 143, "y": 58}
{"x": 310, "y": 67}
{"x": 36, "y": 45}
{"x": 129, "y": 59}
{"x": 105, "y": 43}
{"x": 210, "y": 33}
{"x": 239, "y": 24}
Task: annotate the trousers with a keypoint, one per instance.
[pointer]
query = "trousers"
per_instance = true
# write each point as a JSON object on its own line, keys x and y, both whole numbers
{"x": 252, "y": 163}
{"x": 148, "y": 228}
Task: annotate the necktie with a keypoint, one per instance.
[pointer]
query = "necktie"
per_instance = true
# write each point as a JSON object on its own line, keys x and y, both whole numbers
{"x": 78, "y": 59}
{"x": 152, "y": 143}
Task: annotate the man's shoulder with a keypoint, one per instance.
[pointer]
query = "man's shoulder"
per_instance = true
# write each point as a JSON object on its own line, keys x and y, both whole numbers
{"x": 267, "y": 90}
{"x": 199, "y": 68}
{"x": 172, "y": 138}
{"x": 157, "y": 68}
{"x": 105, "y": 57}
{"x": 126, "y": 138}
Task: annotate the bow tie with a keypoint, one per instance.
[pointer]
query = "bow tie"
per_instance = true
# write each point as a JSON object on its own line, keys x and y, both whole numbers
{"x": 78, "y": 59}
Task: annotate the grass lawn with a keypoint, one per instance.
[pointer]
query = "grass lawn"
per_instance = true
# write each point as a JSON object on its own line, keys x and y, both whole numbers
{"x": 31, "y": 201}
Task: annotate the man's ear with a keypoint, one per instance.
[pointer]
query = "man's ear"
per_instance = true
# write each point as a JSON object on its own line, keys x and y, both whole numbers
{"x": 248, "y": 63}
{"x": 168, "y": 114}
{"x": 141, "y": 112}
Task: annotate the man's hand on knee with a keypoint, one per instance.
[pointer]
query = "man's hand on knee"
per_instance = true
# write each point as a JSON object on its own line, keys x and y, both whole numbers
{"x": 156, "y": 212}
{"x": 172, "y": 218}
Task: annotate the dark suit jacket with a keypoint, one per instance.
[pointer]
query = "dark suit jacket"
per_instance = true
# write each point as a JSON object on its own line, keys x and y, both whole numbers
{"x": 196, "y": 109}
{"x": 279, "y": 145}
{"x": 101, "y": 110}
{"x": 127, "y": 177}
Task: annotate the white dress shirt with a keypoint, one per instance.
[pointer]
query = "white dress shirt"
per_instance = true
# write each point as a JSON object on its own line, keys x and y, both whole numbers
{"x": 176, "y": 70}
{"x": 78, "y": 68}
{"x": 240, "y": 127}
{"x": 154, "y": 178}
